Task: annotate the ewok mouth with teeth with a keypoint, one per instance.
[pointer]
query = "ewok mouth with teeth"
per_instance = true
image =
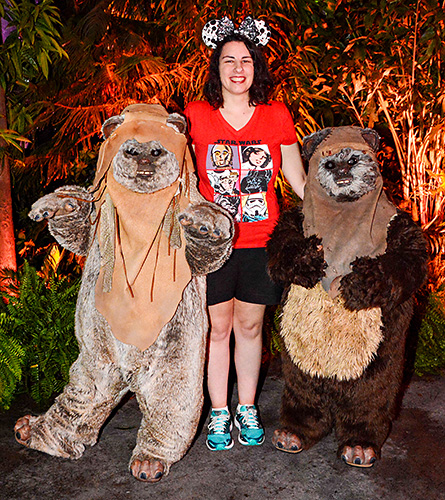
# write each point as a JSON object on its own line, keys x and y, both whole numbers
{"x": 148, "y": 173}
{"x": 145, "y": 167}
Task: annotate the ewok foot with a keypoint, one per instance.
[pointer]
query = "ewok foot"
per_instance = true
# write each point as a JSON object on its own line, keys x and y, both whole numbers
{"x": 149, "y": 470}
{"x": 286, "y": 441}
{"x": 359, "y": 456}
{"x": 33, "y": 433}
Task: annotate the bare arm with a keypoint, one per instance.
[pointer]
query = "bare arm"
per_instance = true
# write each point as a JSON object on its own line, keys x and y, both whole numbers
{"x": 292, "y": 167}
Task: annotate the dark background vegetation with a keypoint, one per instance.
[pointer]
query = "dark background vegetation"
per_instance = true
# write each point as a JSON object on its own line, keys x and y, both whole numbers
{"x": 66, "y": 66}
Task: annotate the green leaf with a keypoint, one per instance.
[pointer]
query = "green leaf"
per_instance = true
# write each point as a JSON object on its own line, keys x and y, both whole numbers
{"x": 40, "y": 322}
{"x": 42, "y": 59}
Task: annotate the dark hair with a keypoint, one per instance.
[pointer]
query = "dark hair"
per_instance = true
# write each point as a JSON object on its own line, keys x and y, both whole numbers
{"x": 262, "y": 85}
{"x": 246, "y": 152}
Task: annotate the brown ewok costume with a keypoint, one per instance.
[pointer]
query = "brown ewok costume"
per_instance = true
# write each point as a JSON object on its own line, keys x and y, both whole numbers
{"x": 350, "y": 262}
{"x": 141, "y": 319}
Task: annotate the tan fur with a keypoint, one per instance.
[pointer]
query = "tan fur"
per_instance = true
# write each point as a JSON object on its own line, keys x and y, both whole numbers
{"x": 324, "y": 339}
{"x": 165, "y": 373}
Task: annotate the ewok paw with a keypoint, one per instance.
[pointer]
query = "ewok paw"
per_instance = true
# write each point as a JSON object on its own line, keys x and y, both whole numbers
{"x": 63, "y": 202}
{"x": 301, "y": 263}
{"x": 208, "y": 231}
{"x": 293, "y": 258}
{"x": 68, "y": 211}
{"x": 366, "y": 286}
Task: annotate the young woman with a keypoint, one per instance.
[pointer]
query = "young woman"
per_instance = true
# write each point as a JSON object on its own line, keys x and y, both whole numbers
{"x": 237, "y": 115}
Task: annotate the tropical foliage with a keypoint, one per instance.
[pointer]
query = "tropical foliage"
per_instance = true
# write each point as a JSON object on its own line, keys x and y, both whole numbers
{"x": 388, "y": 74}
{"x": 430, "y": 354}
{"x": 28, "y": 46}
{"x": 377, "y": 64}
{"x": 37, "y": 342}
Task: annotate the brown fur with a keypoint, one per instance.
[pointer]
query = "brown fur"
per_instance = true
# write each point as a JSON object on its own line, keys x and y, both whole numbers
{"x": 360, "y": 406}
{"x": 67, "y": 208}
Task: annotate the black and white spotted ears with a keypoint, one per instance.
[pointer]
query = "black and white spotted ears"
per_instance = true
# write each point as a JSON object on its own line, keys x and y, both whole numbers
{"x": 216, "y": 30}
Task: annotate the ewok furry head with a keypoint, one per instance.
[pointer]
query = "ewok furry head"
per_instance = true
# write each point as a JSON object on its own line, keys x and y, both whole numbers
{"x": 345, "y": 172}
{"x": 344, "y": 202}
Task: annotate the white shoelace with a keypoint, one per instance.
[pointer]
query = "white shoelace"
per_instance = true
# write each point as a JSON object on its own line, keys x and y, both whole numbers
{"x": 249, "y": 418}
{"x": 218, "y": 423}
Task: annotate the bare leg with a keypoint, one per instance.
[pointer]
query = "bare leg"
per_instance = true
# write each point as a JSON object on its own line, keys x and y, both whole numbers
{"x": 221, "y": 320}
{"x": 247, "y": 322}
{"x": 247, "y": 327}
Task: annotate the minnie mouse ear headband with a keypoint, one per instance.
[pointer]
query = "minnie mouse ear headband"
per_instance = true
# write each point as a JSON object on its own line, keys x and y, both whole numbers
{"x": 216, "y": 30}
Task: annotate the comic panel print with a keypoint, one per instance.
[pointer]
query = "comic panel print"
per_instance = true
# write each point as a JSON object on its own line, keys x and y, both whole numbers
{"x": 223, "y": 171}
{"x": 256, "y": 169}
{"x": 254, "y": 207}
{"x": 222, "y": 156}
{"x": 239, "y": 176}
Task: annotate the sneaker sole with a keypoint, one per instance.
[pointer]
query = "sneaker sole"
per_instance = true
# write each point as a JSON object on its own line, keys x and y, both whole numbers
{"x": 230, "y": 445}
{"x": 246, "y": 443}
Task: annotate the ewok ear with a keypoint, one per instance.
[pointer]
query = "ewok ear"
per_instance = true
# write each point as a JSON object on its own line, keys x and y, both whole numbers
{"x": 372, "y": 138}
{"x": 110, "y": 125}
{"x": 177, "y": 122}
{"x": 311, "y": 142}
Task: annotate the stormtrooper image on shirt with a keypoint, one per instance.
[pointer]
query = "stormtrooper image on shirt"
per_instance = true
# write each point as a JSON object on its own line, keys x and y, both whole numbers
{"x": 254, "y": 207}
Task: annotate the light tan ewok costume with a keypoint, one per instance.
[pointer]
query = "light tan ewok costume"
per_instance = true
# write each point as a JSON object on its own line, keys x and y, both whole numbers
{"x": 141, "y": 318}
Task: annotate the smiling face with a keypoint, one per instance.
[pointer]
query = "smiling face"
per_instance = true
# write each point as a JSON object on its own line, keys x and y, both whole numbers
{"x": 257, "y": 157}
{"x": 236, "y": 69}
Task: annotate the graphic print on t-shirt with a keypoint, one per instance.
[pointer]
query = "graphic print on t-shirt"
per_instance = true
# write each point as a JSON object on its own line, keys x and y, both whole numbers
{"x": 239, "y": 176}
{"x": 254, "y": 207}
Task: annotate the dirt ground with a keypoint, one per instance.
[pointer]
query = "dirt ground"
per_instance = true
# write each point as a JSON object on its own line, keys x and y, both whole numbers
{"x": 412, "y": 465}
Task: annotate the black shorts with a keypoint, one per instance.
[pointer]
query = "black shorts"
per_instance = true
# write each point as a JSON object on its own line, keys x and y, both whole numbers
{"x": 245, "y": 278}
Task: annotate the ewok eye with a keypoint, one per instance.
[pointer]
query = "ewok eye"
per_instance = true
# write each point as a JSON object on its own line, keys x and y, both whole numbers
{"x": 329, "y": 165}
{"x": 353, "y": 160}
{"x": 156, "y": 152}
{"x": 132, "y": 152}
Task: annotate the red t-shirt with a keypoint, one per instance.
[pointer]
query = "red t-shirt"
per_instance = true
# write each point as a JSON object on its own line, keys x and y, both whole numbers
{"x": 237, "y": 168}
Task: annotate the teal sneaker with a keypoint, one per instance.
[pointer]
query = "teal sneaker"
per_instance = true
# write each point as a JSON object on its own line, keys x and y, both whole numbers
{"x": 220, "y": 425}
{"x": 247, "y": 421}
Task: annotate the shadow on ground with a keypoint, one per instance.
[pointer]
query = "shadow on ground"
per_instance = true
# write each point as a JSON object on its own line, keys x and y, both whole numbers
{"x": 412, "y": 465}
